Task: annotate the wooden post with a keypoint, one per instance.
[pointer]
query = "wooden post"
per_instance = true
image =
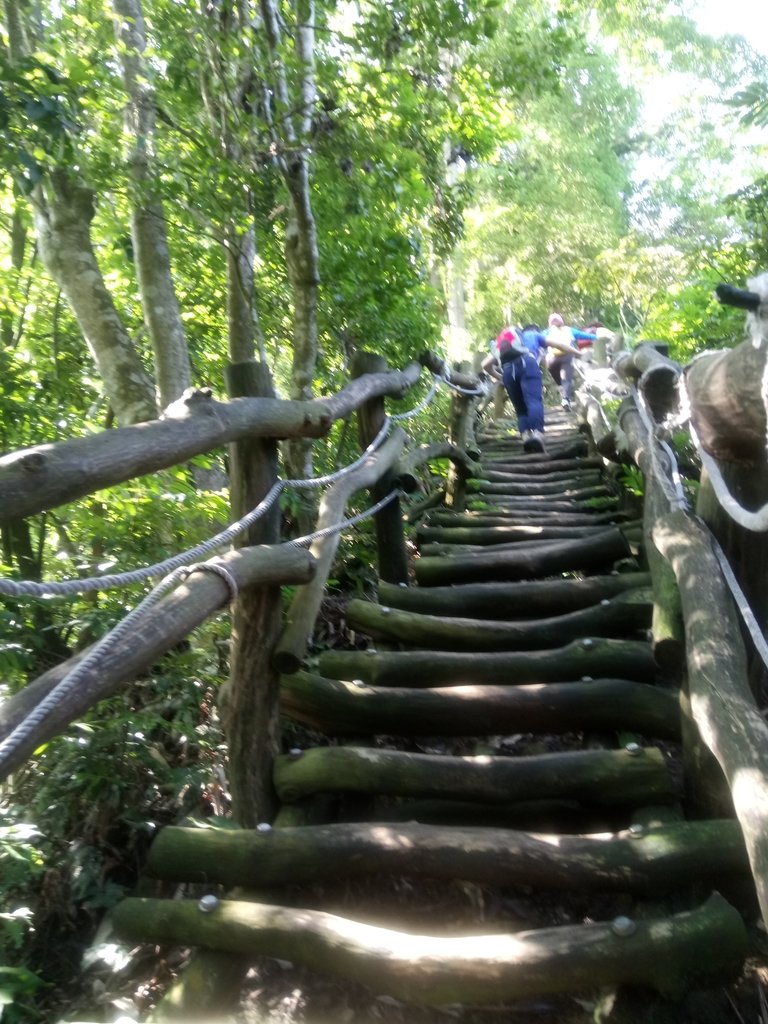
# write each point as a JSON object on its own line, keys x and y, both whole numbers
{"x": 250, "y": 700}
{"x": 460, "y": 428}
{"x": 390, "y": 538}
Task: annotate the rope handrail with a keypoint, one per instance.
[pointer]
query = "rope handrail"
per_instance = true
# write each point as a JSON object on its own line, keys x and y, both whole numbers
{"x": 65, "y": 588}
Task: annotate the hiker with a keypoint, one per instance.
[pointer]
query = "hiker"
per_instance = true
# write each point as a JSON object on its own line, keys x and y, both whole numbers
{"x": 563, "y": 344}
{"x": 516, "y": 366}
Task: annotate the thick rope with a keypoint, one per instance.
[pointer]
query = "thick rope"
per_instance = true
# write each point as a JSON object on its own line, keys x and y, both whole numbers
{"x": 26, "y": 728}
{"x": 670, "y": 482}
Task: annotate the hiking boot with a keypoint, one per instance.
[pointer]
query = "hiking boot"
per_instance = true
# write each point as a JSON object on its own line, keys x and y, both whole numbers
{"x": 533, "y": 441}
{"x": 566, "y": 405}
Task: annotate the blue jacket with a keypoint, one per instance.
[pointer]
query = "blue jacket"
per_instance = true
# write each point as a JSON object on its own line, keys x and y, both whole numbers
{"x": 534, "y": 341}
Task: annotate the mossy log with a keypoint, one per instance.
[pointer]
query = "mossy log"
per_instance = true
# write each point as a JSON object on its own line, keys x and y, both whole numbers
{"x": 607, "y": 777}
{"x": 722, "y": 704}
{"x": 497, "y": 516}
{"x": 545, "y": 468}
{"x": 558, "y": 481}
{"x": 646, "y": 862}
{"x": 556, "y": 451}
{"x": 542, "y": 506}
{"x": 492, "y": 535}
{"x": 349, "y": 709}
{"x": 667, "y": 954}
{"x": 586, "y": 554}
{"x": 300, "y": 618}
{"x": 615, "y": 617}
{"x": 530, "y": 598}
{"x": 534, "y": 490}
{"x": 634, "y": 536}
{"x": 621, "y": 659}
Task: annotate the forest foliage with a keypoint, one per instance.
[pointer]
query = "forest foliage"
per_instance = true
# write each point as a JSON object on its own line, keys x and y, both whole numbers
{"x": 188, "y": 185}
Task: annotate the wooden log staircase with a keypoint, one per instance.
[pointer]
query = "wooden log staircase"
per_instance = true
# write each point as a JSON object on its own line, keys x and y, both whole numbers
{"x": 489, "y": 807}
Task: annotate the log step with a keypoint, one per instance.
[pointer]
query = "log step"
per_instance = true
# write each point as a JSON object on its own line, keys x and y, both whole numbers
{"x": 594, "y": 553}
{"x": 340, "y": 708}
{"x": 613, "y": 617}
{"x": 605, "y": 777}
{"x": 637, "y": 860}
{"x": 534, "y": 598}
{"x": 596, "y": 657}
{"x": 664, "y": 954}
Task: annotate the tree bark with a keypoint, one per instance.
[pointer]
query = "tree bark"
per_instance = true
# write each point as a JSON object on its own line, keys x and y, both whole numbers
{"x": 289, "y": 117}
{"x": 588, "y": 554}
{"x": 657, "y": 860}
{"x": 249, "y": 702}
{"x": 532, "y": 597}
{"x": 348, "y": 709}
{"x": 163, "y": 626}
{"x": 721, "y": 701}
{"x": 162, "y": 316}
{"x": 616, "y": 617}
{"x": 621, "y": 658}
{"x": 64, "y": 209}
{"x": 406, "y": 467}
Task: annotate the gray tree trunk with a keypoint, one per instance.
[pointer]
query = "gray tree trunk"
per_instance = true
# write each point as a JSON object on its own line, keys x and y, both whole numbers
{"x": 64, "y": 209}
{"x": 162, "y": 316}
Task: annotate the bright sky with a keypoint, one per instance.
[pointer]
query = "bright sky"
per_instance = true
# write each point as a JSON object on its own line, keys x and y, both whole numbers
{"x": 747, "y": 18}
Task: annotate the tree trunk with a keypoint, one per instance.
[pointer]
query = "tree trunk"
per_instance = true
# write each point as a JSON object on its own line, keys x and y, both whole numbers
{"x": 249, "y": 703}
{"x": 162, "y": 316}
{"x": 64, "y": 209}
{"x": 620, "y": 658}
{"x": 290, "y": 122}
{"x": 727, "y": 402}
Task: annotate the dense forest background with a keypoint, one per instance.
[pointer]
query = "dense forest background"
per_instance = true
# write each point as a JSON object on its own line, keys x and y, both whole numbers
{"x": 188, "y": 185}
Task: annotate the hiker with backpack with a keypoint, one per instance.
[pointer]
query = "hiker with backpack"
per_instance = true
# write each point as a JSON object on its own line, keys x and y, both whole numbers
{"x": 515, "y": 364}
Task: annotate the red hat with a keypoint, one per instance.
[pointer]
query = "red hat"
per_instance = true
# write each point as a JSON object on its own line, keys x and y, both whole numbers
{"x": 555, "y": 320}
